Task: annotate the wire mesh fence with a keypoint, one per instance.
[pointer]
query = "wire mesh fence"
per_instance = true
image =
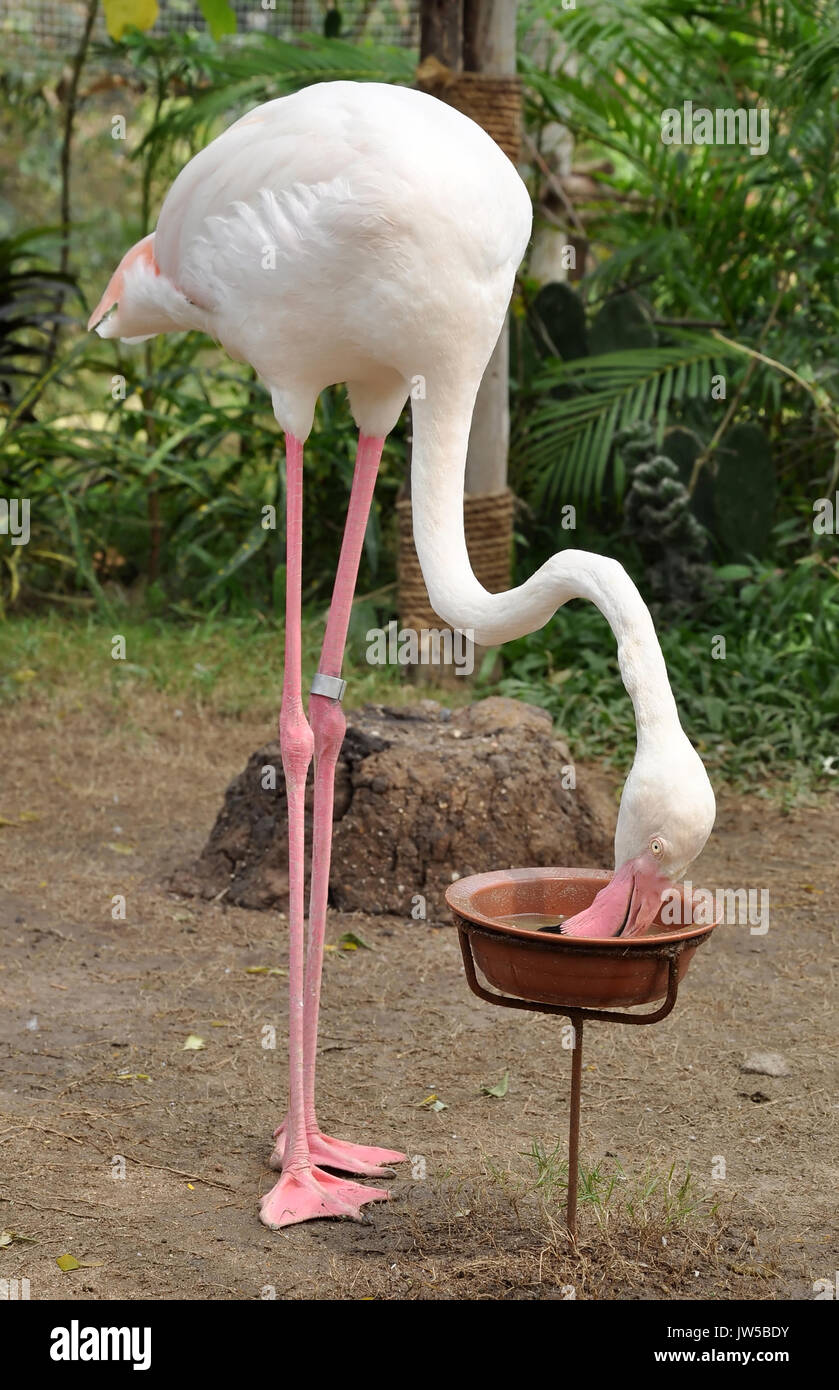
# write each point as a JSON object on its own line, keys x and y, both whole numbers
{"x": 50, "y": 29}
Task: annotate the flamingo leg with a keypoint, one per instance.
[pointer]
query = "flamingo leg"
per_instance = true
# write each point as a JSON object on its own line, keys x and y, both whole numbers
{"x": 303, "y": 1190}
{"x": 328, "y": 724}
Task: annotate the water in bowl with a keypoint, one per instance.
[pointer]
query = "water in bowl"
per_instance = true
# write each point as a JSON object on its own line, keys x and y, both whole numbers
{"x": 535, "y": 921}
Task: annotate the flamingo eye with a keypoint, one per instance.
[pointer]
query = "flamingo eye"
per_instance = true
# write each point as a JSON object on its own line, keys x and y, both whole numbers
{"x": 656, "y": 847}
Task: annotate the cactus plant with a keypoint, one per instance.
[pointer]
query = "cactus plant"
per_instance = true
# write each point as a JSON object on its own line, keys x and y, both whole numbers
{"x": 684, "y": 447}
{"x": 558, "y": 320}
{"x": 622, "y": 323}
{"x": 744, "y": 492}
{"x": 658, "y": 516}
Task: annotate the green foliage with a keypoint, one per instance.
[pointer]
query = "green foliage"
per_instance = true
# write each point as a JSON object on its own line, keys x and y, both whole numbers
{"x": 168, "y": 486}
{"x": 205, "y": 83}
{"x": 717, "y": 236}
{"x": 565, "y": 437}
{"x": 772, "y": 701}
{"x": 180, "y": 484}
{"x": 220, "y": 17}
{"x": 29, "y": 291}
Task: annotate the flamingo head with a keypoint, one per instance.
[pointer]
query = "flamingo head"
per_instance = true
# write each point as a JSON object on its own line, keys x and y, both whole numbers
{"x": 140, "y": 301}
{"x": 666, "y": 814}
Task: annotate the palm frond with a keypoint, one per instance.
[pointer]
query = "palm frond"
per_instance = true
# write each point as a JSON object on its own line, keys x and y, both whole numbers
{"x": 566, "y": 443}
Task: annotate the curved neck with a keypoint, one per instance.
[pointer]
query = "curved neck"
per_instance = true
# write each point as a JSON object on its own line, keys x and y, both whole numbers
{"x": 441, "y": 433}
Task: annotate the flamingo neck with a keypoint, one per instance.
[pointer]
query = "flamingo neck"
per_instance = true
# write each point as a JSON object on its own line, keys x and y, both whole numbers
{"x": 441, "y": 433}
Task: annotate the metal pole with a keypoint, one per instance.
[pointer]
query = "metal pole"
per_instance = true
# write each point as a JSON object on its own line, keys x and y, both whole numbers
{"x": 574, "y": 1126}
{"x": 671, "y": 953}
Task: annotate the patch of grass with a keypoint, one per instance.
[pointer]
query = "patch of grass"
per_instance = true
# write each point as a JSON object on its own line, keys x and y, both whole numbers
{"x": 551, "y": 1167}
{"x": 503, "y": 1240}
{"x": 231, "y": 666}
{"x": 649, "y": 1201}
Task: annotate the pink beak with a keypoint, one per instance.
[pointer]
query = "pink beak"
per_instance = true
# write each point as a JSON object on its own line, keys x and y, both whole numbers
{"x": 626, "y": 906}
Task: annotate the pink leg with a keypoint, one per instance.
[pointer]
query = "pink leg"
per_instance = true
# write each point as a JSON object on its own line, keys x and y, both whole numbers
{"x": 328, "y": 725}
{"x": 304, "y": 1190}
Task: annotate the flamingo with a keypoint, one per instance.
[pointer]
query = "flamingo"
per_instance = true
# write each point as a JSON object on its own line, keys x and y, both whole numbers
{"x": 368, "y": 234}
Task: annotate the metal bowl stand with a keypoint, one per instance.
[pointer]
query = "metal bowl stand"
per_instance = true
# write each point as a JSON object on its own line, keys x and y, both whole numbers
{"x": 577, "y": 1016}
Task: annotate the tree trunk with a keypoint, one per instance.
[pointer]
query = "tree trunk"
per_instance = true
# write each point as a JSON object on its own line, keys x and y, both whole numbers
{"x": 441, "y": 32}
{"x": 490, "y": 47}
{"x": 548, "y": 261}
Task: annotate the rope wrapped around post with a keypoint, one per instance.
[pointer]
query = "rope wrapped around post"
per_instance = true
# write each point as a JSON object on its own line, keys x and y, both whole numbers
{"x": 487, "y": 518}
{"x": 492, "y": 100}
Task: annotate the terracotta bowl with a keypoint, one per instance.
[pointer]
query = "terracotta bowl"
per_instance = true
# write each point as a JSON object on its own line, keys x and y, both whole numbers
{"x": 582, "y": 972}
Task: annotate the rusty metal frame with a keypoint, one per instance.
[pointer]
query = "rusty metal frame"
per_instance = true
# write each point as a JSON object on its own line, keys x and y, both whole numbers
{"x": 577, "y": 1016}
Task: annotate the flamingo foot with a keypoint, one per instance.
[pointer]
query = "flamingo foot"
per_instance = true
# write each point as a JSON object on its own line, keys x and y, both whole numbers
{"x": 341, "y": 1154}
{"x": 305, "y": 1194}
{"x": 347, "y": 1157}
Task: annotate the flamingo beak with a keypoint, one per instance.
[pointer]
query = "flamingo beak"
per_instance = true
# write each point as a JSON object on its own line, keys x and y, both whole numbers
{"x": 628, "y": 904}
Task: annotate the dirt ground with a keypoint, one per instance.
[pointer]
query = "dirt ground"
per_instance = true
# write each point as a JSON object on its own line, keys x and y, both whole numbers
{"x": 96, "y": 1081}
